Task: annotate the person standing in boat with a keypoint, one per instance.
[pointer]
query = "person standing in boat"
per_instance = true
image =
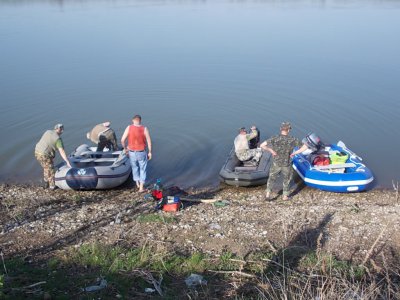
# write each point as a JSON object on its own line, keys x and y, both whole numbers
{"x": 45, "y": 152}
{"x": 242, "y": 149}
{"x": 138, "y": 137}
{"x": 104, "y": 136}
{"x": 281, "y": 147}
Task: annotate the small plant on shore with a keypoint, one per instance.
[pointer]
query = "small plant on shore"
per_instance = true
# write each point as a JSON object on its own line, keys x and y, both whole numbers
{"x": 355, "y": 208}
{"x": 77, "y": 198}
{"x": 53, "y": 263}
{"x": 225, "y": 261}
{"x": 196, "y": 263}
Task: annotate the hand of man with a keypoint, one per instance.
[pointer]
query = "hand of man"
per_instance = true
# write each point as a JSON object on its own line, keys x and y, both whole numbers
{"x": 149, "y": 156}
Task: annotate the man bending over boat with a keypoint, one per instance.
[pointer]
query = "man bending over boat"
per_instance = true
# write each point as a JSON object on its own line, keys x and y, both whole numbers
{"x": 280, "y": 146}
{"x": 312, "y": 146}
{"x": 45, "y": 151}
{"x": 242, "y": 149}
{"x": 103, "y": 136}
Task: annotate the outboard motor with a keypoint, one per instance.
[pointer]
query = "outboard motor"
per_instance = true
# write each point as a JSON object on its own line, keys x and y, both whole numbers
{"x": 313, "y": 142}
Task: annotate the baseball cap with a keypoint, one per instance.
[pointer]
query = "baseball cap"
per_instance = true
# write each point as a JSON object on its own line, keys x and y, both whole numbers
{"x": 59, "y": 125}
{"x": 286, "y": 125}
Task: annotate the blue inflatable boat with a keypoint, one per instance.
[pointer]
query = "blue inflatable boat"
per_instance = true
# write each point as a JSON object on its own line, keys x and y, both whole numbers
{"x": 348, "y": 175}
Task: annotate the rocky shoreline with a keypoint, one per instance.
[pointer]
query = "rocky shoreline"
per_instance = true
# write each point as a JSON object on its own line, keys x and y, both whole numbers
{"x": 353, "y": 227}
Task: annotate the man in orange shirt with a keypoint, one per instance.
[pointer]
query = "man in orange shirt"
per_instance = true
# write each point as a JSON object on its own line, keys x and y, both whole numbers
{"x": 138, "y": 137}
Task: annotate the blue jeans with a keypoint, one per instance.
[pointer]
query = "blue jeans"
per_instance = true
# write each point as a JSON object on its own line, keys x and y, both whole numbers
{"x": 139, "y": 164}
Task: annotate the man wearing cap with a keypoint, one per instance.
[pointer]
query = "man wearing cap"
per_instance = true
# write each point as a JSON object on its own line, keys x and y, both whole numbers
{"x": 103, "y": 136}
{"x": 242, "y": 149}
{"x": 280, "y": 146}
{"x": 45, "y": 152}
{"x": 138, "y": 137}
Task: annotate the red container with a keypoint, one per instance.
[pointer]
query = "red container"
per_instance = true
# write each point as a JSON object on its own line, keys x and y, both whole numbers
{"x": 157, "y": 194}
{"x": 171, "y": 206}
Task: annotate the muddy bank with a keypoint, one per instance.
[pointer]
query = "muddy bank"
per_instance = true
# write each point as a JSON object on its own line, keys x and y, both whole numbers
{"x": 35, "y": 222}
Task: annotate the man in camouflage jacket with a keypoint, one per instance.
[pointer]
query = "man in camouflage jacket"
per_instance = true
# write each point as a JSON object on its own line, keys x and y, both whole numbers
{"x": 281, "y": 146}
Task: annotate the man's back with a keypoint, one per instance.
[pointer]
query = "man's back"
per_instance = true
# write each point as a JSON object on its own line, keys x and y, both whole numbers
{"x": 241, "y": 143}
{"x": 283, "y": 145}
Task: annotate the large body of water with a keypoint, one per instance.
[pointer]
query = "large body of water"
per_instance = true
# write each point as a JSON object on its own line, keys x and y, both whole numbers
{"x": 196, "y": 71}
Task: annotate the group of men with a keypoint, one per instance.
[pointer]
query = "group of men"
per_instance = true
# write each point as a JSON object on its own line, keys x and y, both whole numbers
{"x": 135, "y": 140}
{"x": 280, "y": 146}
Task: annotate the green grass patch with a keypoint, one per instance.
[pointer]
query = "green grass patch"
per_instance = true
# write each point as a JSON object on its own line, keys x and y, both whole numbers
{"x": 325, "y": 263}
{"x": 125, "y": 271}
{"x": 54, "y": 281}
{"x": 116, "y": 259}
{"x": 77, "y": 198}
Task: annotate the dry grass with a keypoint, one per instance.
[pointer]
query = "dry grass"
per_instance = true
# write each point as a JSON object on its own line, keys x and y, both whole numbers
{"x": 288, "y": 284}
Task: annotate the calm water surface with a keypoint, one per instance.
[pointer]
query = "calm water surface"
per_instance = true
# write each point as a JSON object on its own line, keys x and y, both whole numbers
{"x": 196, "y": 71}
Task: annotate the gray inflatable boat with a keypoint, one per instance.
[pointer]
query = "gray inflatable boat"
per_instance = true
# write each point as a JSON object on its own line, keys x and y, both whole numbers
{"x": 237, "y": 173}
{"x": 93, "y": 170}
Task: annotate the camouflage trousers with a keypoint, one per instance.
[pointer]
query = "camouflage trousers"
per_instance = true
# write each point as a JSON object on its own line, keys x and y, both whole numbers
{"x": 48, "y": 168}
{"x": 254, "y": 154}
{"x": 287, "y": 172}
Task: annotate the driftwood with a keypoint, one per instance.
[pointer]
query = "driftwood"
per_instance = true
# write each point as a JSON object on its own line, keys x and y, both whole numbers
{"x": 146, "y": 275}
{"x": 200, "y": 200}
{"x": 30, "y": 286}
{"x": 243, "y": 274}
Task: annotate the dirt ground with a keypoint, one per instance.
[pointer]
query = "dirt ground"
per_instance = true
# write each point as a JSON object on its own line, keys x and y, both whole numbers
{"x": 36, "y": 223}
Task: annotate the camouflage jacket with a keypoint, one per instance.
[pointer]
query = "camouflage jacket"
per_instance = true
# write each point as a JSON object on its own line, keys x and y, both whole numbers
{"x": 283, "y": 145}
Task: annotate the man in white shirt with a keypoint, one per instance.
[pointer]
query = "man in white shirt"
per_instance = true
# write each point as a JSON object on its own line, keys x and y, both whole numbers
{"x": 242, "y": 149}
